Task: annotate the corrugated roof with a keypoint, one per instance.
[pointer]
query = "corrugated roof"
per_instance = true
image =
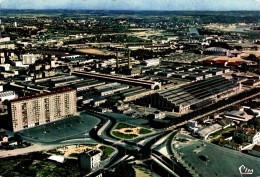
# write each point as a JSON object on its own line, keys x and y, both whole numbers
{"x": 41, "y": 95}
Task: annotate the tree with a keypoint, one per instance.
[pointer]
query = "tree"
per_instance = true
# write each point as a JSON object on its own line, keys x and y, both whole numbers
{"x": 252, "y": 57}
{"x": 219, "y": 44}
{"x": 18, "y": 139}
{"x": 255, "y": 122}
{"x": 238, "y": 47}
{"x": 124, "y": 170}
{"x": 258, "y": 61}
{"x": 238, "y": 139}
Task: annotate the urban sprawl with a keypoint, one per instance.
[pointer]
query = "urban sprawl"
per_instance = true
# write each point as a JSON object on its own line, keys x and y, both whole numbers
{"x": 129, "y": 93}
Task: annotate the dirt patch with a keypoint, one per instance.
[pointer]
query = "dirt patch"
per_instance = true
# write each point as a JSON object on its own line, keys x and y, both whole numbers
{"x": 94, "y": 51}
{"x": 141, "y": 173}
{"x": 129, "y": 131}
{"x": 247, "y": 53}
{"x": 234, "y": 59}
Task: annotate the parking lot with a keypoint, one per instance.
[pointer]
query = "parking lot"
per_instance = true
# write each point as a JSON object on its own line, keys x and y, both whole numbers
{"x": 63, "y": 129}
{"x": 220, "y": 161}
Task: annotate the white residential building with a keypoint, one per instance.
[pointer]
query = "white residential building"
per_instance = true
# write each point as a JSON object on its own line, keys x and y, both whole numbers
{"x": 43, "y": 108}
{"x": 90, "y": 160}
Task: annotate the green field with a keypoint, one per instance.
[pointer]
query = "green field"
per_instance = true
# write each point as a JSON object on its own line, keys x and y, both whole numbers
{"x": 106, "y": 152}
{"x": 75, "y": 155}
{"x": 123, "y": 125}
{"x": 144, "y": 131}
{"x": 221, "y": 132}
{"x": 124, "y": 136}
{"x": 36, "y": 164}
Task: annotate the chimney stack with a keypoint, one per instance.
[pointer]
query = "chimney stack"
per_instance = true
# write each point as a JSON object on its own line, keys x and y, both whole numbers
{"x": 129, "y": 65}
{"x": 117, "y": 62}
{"x": 0, "y": 27}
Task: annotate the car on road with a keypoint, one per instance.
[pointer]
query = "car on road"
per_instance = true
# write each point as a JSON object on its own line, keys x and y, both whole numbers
{"x": 80, "y": 121}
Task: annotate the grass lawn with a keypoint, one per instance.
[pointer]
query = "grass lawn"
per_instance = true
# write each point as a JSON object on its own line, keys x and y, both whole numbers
{"x": 106, "y": 152}
{"x": 123, "y": 125}
{"x": 229, "y": 129}
{"x": 124, "y": 136}
{"x": 183, "y": 140}
{"x": 144, "y": 131}
{"x": 36, "y": 164}
{"x": 74, "y": 155}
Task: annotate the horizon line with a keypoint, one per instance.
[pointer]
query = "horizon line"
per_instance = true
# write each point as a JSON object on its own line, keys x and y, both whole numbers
{"x": 138, "y": 10}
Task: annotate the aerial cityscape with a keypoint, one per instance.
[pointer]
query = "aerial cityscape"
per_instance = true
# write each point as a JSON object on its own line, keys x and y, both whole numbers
{"x": 124, "y": 89}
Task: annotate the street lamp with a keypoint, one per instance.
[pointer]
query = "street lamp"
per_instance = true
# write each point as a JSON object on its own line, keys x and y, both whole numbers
{"x": 44, "y": 132}
{"x": 64, "y": 131}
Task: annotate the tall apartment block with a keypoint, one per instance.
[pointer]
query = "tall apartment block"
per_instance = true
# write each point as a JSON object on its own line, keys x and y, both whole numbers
{"x": 40, "y": 109}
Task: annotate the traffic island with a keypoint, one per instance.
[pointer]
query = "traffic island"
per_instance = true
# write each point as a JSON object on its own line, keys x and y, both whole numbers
{"x": 127, "y": 131}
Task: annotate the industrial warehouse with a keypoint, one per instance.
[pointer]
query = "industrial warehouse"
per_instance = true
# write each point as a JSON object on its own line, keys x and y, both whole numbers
{"x": 191, "y": 96}
{"x": 130, "y": 81}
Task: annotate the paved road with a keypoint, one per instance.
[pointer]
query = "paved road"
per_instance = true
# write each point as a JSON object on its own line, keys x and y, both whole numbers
{"x": 133, "y": 148}
{"x": 102, "y": 134}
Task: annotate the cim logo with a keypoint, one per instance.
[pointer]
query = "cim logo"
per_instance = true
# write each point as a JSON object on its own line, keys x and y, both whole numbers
{"x": 245, "y": 171}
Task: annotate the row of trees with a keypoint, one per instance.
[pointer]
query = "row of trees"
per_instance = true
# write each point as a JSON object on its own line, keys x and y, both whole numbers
{"x": 147, "y": 54}
{"x": 255, "y": 123}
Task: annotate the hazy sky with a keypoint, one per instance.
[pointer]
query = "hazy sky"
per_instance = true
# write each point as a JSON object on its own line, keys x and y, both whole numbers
{"x": 134, "y": 4}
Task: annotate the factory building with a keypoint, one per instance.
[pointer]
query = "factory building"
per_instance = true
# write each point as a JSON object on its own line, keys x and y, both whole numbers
{"x": 64, "y": 81}
{"x": 43, "y": 108}
{"x": 129, "y": 81}
{"x": 151, "y": 62}
{"x": 136, "y": 95}
{"x": 218, "y": 51}
{"x": 111, "y": 90}
{"x": 194, "y": 94}
{"x": 29, "y": 59}
{"x": 194, "y": 77}
{"x": 88, "y": 85}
